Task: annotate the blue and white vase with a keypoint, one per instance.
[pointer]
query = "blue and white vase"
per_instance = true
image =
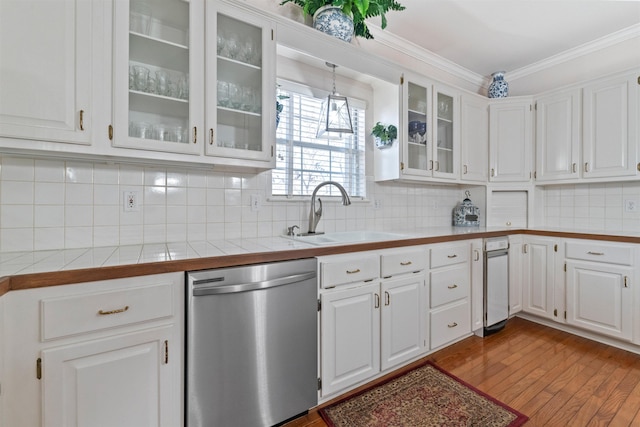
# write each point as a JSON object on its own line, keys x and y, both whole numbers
{"x": 333, "y": 21}
{"x": 498, "y": 88}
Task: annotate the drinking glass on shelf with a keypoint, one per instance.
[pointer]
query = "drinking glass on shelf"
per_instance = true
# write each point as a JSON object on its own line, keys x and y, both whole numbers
{"x": 180, "y": 134}
{"x": 140, "y": 17}
{"x": 235, "y": 95}
{"x": 141, "y": 77}
{"x": 223, "y": 93}
{"x": 221, "y": 46}
{"x": 248, "y": 52}
{"x": 163, "y": 133}
{"x": 233, "y": 46}
{"x": 248, "y": 99}
{"x": 132, "y": 77}
{"x": 142, "y": 130}
{"x": 162, "y": 83}
{"x": 183, "y": 87}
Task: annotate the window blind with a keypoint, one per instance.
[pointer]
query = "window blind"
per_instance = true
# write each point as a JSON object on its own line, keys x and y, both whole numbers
{"x": 303, "y": 161}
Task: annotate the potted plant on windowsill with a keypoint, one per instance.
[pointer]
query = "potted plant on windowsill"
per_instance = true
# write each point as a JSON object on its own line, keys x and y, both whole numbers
{"x": 384, "y": 135}
{"x": 326, "y": 17}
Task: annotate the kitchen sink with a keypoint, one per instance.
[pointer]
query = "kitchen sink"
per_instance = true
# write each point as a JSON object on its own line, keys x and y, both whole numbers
{"x": 343, "y": 237}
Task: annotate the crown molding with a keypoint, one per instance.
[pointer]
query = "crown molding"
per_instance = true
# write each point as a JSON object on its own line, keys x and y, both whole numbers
{"x": 604, "y": 42}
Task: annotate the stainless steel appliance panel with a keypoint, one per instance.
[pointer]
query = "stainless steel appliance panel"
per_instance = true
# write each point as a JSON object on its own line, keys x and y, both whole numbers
{"x": 251, "y": 344}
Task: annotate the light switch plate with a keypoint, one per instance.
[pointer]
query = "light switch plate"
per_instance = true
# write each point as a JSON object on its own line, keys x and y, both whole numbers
{"x": 631, "y": 205}
{"x": 256, "y": 202}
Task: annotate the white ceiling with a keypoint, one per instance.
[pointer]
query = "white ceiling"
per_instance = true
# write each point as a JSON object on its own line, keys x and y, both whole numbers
{"x": 484, "y": 36}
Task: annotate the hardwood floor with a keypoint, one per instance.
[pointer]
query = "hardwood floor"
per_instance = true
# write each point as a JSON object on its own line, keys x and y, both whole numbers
{"x": 555, "y": 378}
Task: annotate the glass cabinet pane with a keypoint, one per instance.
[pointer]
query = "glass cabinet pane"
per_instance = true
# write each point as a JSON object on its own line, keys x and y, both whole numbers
{"x": 158, "y": 99}
{"x": 417, "y": 127}
{"x": 239, "y": 85}
{"x": 444, "y": 134}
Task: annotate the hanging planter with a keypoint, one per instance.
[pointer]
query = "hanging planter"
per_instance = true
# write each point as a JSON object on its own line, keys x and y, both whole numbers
{"x": 384, "y": 135}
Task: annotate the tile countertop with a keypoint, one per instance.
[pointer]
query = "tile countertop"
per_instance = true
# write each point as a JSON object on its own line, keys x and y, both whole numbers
{"x": 24, "y": 270}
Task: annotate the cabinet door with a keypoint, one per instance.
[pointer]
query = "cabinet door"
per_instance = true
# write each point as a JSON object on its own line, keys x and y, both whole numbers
{"x": 403, "y": 311}
{"x": 350, "y": 336}
{"x": 610, "y": 137}
{"x": 474, "y": 136}
{"x": 510, "y": 136}
{"x": 158, "y": 57}
{"x": 477, "y": 285}
{"x": 599, "y": 298}
{"x": 558, "y": 136}
{"x": 46, "y": 71}
{"x": 240, "y": 101}
{"x": 446, "y": 136}
{"x": 516, "y": 274}
{"x": 539, "y": 277}
{"x": 417, "y": 160}
{"x": 122, "y": 381}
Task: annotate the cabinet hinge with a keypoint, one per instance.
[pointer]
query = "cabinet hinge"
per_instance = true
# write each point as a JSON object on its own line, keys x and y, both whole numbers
{"x": 402, "y": 80}
{"x": 166, "y": 352}
{"x": 555, "y": 248}
{"x": 39, "y": 368}
{"x": 110, "y": 132}
{"x": 319, "y": 384}
{"x": 319, "y": 305}
{"x": 555, "y": 312}
{"x": 401, "y": 166}
{"x": 565, "y": 315}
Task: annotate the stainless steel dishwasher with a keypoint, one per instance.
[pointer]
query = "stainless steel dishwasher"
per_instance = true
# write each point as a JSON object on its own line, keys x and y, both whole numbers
{"x": 251, "y": 344}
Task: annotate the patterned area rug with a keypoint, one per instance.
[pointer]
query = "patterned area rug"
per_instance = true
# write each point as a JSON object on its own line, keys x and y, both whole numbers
{"x": 426, "y": 396}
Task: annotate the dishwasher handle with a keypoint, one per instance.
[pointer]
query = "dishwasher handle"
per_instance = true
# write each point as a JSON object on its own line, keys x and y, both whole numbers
{"x": 245, "y": 287}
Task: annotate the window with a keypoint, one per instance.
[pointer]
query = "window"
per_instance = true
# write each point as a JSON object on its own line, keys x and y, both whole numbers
{"x": 303, "y": 161}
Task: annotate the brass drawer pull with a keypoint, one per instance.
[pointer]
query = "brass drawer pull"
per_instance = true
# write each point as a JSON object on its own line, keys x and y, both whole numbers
{"x": 81, "y": 119}
{"x": 377, "y": 302}
{"x": 452, "y": 286}
{"x": 357, "y": 270}
{"x": 406, "y": 263}
{"x": 452, "y": 256}
{"x": 107, "y": 312}
{"x": 595, "y": 253}
{"x": 452, "y": 325}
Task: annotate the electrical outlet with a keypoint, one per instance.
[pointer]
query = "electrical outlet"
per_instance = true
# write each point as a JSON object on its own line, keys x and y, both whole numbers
{"x": 256, "y": 202}
{"x": 631, "y": 205}
{"x": 130, "y": 201}
{"x": 377, "y": 204}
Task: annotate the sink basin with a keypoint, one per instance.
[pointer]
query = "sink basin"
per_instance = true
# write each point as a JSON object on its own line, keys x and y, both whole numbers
{"x": 342, "y": 237}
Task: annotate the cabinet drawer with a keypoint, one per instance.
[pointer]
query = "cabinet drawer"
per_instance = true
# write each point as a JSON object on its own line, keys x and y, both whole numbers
{"x": 449, "y": 254}
{"x": 449, "y": 285}
{"x": 450, "y": 323}
{"x": 403, "y": 262}
{"x": 599, "y": 252}
{"x": 71, "y": 315}
{"x": 350, "y": 270}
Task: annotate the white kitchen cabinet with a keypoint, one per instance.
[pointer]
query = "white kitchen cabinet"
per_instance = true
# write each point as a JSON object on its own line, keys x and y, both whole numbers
{"x": 158, "y": 76}
{"x": 558, "y": 136}
{"x": 510, "y": 140}
{"x": 600, "y": 278}
{"x": 599, "y": 298}
{"x": 610, "y": 131}
{"x": 48, "y": 71}
{"x": 477, "y": 285}
{"x": 449, "y": 282}
{"x": 113, "y": 381}
{"x": 373, "y": 325}
{"x": 417, "y": 139}
{"x": 349, "y": 336}
{"x": 539, "y": 279}
{"x": 516, "y": 273}
{"x": 446, "y": 132}
{"x": 474, "y": 138}
{"x": 240, "y": 89}
{"x": 402, "y": 319}
{"x": 99, "y": 353}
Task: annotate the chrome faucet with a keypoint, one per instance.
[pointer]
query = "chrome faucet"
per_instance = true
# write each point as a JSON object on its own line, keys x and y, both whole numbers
{"x": 314, "y": 215}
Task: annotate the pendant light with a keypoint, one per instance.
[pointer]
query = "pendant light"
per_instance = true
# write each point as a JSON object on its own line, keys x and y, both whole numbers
{"x": 336, "y": 114}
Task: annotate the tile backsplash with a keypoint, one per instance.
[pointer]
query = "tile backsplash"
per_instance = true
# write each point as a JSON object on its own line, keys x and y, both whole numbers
{"x": 56, "y": 204}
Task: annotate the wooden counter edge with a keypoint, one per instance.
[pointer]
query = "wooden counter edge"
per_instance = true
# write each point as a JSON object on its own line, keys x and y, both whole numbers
{"x": 37, "y": 280}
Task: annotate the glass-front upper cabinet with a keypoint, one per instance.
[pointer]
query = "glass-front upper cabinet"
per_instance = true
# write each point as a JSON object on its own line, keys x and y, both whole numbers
{"x": 446, "y": 151}
{"x": 240, "y": 76}
{"x": 158, "y": 58}
{"x": 417, "y": 159}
